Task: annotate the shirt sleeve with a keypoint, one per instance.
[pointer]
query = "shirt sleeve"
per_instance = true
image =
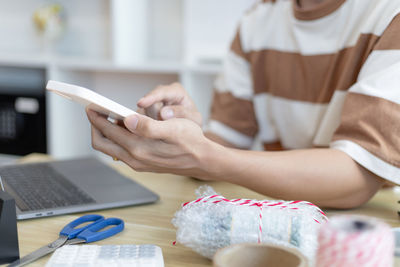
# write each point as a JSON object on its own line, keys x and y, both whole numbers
{"x": 233, "y": 115}
{"x": 369, "y": 130}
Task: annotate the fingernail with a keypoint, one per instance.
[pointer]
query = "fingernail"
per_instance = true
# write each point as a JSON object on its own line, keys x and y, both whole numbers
{"x": 167, "y": 113}
{"x": 131, "y": 122}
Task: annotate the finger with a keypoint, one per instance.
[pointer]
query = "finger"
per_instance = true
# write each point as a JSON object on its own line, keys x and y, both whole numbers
{"x": 139, "y": 155}
{"x": 138, "y": 148}
{"x": 173, "y": 93}
{"x": 102, "y": 144}
{"x": 106, "y": 146}
{"x": 139, "y": 158}
{"x": 154, "y": 110}
{"x": 91, "y": 111}
{"x": 115, "y": 133}
{"x": 147, "y": 127}
{"x": 176, "y": 111}
{"x": 141, "y": 111}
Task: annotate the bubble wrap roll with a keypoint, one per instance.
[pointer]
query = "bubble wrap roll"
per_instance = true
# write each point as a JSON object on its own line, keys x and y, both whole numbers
{"x": 212, "y": 222}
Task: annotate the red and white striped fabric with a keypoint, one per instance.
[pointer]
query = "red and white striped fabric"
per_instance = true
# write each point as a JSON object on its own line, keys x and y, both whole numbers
{"x": 348, "y": 241}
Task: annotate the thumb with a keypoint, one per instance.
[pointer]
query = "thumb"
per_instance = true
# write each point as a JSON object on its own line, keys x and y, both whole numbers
{"x": 144, "y": 126}
{"x": 178, "y": 111}
{"x": 167, "y": 113}
{"x": 131, "y": 122}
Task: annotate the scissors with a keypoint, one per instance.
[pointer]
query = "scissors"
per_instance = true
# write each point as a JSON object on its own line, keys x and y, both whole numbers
{"x": 70, "y": 235}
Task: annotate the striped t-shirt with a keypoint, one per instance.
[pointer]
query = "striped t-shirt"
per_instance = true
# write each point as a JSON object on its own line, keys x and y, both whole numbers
{"x": 325, "y": 76}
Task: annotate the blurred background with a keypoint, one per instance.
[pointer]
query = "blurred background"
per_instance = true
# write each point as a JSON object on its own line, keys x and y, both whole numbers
{"x": 119, "y": 48}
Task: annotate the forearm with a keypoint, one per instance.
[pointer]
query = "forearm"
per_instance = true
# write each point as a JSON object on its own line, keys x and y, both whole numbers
{"x": 217, "y": 139}
{"x": 326, "y": 177}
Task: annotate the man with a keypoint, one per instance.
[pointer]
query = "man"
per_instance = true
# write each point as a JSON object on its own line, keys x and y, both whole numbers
{"x": 319, "y": 80}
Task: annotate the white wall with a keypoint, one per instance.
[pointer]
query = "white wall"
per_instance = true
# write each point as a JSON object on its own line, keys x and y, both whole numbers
{"x": 209, "y": 26}
{"x": 86, "y": 33}
{"x": 185, "y": 40}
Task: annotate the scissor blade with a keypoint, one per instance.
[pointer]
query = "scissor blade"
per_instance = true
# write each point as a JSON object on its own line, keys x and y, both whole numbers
{"x": 75, "y": 241}
{"x": 43, "y": 251}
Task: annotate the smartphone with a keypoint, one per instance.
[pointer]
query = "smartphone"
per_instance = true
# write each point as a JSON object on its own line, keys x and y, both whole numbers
{"x": 90, "y": 99}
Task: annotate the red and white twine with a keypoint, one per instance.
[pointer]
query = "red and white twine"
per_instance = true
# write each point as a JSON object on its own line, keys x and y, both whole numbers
{"x": 292, "y": 205}
{"x": 339, "y": 247}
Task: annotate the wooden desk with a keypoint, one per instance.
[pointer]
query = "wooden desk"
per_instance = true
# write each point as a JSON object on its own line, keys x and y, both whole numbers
{"x": 151, "y": 224}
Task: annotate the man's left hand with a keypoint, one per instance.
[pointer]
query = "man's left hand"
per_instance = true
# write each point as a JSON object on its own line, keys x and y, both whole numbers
{"x": 174, "y": 146}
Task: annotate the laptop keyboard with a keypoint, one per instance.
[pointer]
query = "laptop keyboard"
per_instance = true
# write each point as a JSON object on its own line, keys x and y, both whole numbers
{"x": 39, "y": 186}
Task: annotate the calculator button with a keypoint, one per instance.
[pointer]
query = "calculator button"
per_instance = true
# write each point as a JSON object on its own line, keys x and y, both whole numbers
{"x": 108, "y": 255}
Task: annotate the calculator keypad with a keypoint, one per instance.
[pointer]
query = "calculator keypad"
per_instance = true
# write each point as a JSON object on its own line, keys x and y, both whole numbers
{"x": 107, "y": 255}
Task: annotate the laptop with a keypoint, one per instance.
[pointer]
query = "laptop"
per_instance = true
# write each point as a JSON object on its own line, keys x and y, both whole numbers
{"x": 68, "y": 186}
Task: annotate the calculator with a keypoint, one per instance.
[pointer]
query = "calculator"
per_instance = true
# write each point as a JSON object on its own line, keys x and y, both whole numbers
{"x": 107, "y": 255}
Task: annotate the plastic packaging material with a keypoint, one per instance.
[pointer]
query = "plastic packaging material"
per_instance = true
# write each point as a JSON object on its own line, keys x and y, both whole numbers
{"x": 348, "y": 241}
{"x": 212, "y": 222}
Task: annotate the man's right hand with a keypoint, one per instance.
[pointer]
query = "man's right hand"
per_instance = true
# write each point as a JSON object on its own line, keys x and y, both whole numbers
{"x": 169, "y": 101}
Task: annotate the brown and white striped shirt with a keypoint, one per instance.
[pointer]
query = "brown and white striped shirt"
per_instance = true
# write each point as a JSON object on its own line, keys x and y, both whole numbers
{"x": 324, "y": 76}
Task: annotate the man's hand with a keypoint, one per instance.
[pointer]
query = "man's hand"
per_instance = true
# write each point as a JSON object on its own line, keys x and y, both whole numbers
{"x": 170, "y": 101}
{"x": 175, "y": 146}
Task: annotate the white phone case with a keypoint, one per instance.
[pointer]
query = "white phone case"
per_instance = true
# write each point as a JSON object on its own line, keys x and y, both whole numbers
{"x": 89, "y": 98}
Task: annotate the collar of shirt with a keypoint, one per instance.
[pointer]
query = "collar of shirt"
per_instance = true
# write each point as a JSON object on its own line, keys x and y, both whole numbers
{"x": 316, "y": 11}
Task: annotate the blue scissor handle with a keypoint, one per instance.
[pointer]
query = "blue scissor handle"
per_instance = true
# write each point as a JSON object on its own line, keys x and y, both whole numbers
{"x": 70, "y": 231}
{"x": 93, "y": 233}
